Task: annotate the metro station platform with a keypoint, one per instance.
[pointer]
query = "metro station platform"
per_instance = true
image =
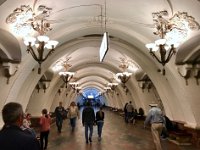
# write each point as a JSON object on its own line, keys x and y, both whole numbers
{"x": 117, "y": 135}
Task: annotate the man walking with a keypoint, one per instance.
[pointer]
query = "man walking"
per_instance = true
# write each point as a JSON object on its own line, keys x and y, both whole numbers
{"x": 155, "y": 118}
{"x": 88, "y": 119}
{"x": 59, "y": 112}
{"x": 129, "y": 109}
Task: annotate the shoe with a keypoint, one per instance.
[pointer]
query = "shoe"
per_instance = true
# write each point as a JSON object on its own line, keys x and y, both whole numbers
{"x": 90, "y": 140}
{"x": 99, "y": 138}
{"x": 87, "y": 142}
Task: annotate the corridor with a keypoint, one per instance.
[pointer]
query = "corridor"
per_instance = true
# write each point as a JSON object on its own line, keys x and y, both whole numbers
{"x": 117, "y": 135}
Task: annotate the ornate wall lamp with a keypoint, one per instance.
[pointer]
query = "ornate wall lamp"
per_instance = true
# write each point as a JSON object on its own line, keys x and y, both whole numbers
{"x": 9, "y": 70}
{"x": 43, "y": 83}
{"x": 107, "y": 89}
{"x": 172, "y": 32}
{"x": 123, "y": 77}
{"x": 24, "y": 21}
{"x": 43, "y": 43}
{"x": 165, "y": 49}
{"x": 78, "y": 89}
{"x": 74, "y": 85}
{"x": 188, "y": 70}
{"x": 112, "y": 85}
{"x": 66, "y": 76}
{"x": 59, "y": 91}
{"x": 145, "y": 84}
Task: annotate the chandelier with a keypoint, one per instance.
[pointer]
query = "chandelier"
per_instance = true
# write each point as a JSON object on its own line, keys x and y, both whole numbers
{"x": 107, "y": 89}
{"x": 172, "y": 32}
{"x": 74, "y": 85}
{"x": 123, "y": 76}
{"x": 66, "y": 76}
{"x": 78, "y": 89}
{"x": 40, "y": 46}
{"x": 112, "y": 85}
{"x": 26, "y": 19}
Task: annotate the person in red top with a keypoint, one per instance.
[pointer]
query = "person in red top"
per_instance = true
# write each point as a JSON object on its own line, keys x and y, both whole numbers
{"x": 45, "y": 121}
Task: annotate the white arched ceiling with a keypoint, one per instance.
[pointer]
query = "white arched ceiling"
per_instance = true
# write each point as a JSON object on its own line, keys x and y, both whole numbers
{"x": 80, "y": 38}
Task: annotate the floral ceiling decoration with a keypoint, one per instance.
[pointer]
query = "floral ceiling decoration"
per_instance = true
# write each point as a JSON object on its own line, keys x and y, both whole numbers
{"x": 175, "y": 29}
{"x": 25, "y": 19}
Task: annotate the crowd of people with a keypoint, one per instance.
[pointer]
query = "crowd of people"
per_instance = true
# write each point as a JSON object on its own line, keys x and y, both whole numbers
{"x": 17, "y": 125}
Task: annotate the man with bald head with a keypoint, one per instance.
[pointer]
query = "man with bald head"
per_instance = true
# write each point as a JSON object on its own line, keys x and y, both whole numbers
{"x": 12, "y": 137}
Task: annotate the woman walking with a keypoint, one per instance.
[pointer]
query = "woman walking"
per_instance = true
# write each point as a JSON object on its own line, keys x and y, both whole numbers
{"x": 45, "y": 121}
{"x": 73, "y": 114}
{"x": 100, "y": 122}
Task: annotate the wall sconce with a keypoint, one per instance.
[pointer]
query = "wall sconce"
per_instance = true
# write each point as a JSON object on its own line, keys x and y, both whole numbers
{"x": 66, "y": 76}
{"x": 145, "y": 83}
{"x": 9, "y": 70}
{"x": 78, "y": 89}
{"x": 123, "y": 77}
{"x": 43, "y": 42}
{"x": 107, "y": 89}
{"x": 173, "y": 31}
{"x": 188, "y": 70}
{"x": 74, "y": 85}
{"x": 59, "y": 91}
{"x": 43, "y": 84}
{"x": 24, "y": 21}
{"x": 112, "y": 85}
{"x": 166, "y": 50}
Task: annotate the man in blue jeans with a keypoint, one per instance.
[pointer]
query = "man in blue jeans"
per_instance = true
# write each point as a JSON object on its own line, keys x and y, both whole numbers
{"x": 88, "y": 119}
{"x": 59, "y": 111}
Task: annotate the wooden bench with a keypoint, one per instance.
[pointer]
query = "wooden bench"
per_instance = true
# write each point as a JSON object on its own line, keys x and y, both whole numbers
{"x": 180, "y": 135}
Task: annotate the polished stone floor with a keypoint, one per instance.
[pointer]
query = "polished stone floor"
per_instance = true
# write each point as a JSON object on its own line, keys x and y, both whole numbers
{"x": 117, "y": 135}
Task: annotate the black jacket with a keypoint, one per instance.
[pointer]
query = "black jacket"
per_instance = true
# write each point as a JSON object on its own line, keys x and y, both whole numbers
{"x": 98, "y": 117}
{"x": 14, "y": 138}
{"x": 88, "y": 115}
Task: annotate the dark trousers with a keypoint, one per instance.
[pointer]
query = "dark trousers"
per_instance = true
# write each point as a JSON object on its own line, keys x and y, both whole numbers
{"x": 99, "y": 127}
{"x": 59, "y": 122}
{"x": 88, "y": 125}
{"x": 44, "y": 139}
{"x": 73, "y": 122}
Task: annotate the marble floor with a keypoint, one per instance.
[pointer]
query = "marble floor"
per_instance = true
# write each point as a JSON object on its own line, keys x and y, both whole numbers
{"x": 117, "y": 135}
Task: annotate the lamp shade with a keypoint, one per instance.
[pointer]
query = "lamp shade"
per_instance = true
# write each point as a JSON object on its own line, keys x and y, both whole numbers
{"x": 160, "y": 42}
{"x": 28, "y": 40}
{"x": 53, "y": 43}
{"x": 43, "y": 38}
{"x": 150, "y": 45}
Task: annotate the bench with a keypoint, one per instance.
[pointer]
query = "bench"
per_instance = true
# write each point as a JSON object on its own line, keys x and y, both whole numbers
{"x": 180, "y": 135}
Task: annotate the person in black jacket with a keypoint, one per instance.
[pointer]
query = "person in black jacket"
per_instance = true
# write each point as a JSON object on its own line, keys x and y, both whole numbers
{"x": 88, "y": 119}
{"x": 59, "y": 112}
{"x": 12, "y": 137}
{"x": 100, "y": 122}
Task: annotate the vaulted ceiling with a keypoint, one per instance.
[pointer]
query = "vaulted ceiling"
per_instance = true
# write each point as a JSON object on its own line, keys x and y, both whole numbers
{"x": 79, "y": 26}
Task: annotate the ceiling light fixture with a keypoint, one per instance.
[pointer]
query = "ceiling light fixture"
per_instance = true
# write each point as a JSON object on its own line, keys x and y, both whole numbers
{"x": 42, "y": 44}
{"x": 66, "y": 76}
{"x": 172, "y": 32}
{"x": 25, "y": 18}
{"x": 123, "y": 76}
